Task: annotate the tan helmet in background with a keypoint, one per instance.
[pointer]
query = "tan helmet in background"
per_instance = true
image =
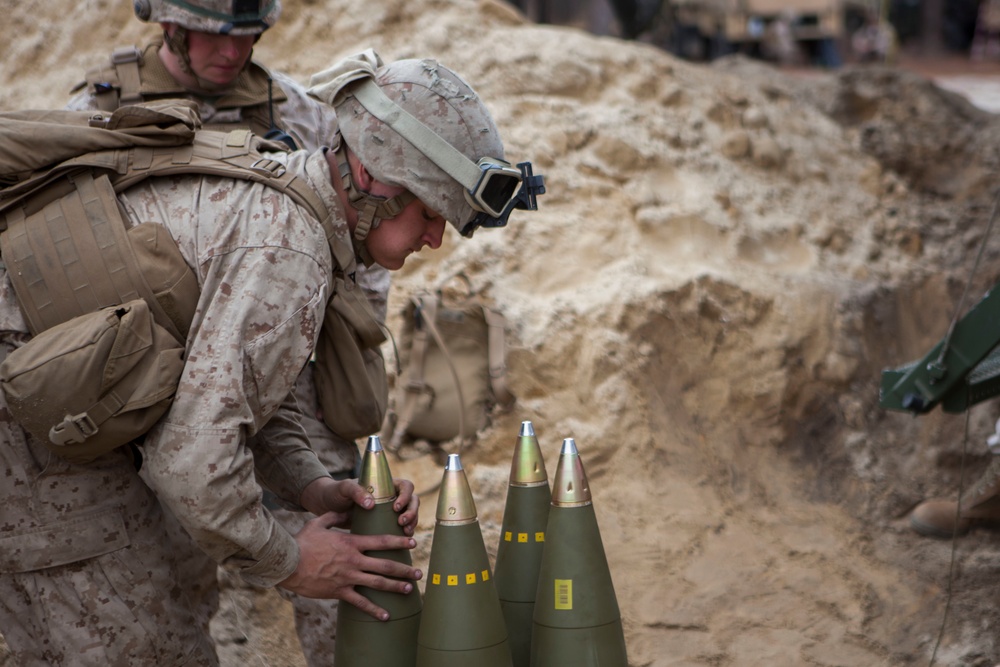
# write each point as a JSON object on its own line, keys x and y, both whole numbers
{"x": 225, "y": 17}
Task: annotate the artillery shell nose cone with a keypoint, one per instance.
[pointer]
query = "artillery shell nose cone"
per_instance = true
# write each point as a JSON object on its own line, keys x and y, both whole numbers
{"x": 527, "y": 467}
{"x": 375, "y": 476}
{"x": 374, "y": 444}
{"x": 570, "y": 488}
{"x": 455, "y": 503}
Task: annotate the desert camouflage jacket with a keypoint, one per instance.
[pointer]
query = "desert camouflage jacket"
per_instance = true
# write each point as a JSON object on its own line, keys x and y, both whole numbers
{"x": 265, "y": 270}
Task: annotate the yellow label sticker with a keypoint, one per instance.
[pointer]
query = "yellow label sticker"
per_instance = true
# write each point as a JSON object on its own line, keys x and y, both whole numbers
{"x": 507, "y": 536}
{"x": 453, "y": 580}
{"x": 539, "y": 537}
{"x": 435, "y": 578}
{"x": 470, "y": 578}
{"x": 564, "y": 593}
{"x": 486, "y": 575}
{"x": 522, "y": 537}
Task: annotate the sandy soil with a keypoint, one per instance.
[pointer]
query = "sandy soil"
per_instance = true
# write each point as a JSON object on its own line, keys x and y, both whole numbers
{"x": 727, "y": 257}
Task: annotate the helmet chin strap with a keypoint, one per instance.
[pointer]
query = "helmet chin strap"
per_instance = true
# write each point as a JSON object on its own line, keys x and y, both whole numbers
{"x": 372, "y": 209}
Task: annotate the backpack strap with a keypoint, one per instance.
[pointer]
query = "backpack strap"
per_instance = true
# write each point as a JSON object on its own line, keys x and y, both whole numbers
{"x": 425, "y": 310}
{"x": 497, "y": 350}
{"x": 117, "y": 82}
{"x": 125, "y": 60}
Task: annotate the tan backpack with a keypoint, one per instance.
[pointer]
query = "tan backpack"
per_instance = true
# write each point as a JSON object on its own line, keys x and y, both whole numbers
{"x": 452, "y": 354}
{"x": 78, "y": 275}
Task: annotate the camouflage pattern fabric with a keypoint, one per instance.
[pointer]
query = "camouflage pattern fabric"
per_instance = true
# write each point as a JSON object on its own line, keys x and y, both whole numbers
{"x": 264, "y": 269}
{"x": 216, "y": 16}
{"x": 86, "y": 576}
{"x": 311, "y": 124}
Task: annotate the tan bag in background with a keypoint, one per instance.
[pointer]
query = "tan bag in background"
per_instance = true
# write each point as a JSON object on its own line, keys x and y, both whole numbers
{"x": 94, "y": 382}
{"x": 453, "y": 357}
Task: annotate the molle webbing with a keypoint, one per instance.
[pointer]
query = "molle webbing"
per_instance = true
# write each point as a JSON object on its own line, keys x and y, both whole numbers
{"x": 61, "y": 268}
{"x": 99, "y": 268}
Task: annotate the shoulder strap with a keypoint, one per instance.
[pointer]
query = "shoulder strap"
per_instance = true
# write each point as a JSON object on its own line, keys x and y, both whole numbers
{"x": 126, "y": 61}
{"x": 118, "y": 81}
{"x": 497, "y": 326}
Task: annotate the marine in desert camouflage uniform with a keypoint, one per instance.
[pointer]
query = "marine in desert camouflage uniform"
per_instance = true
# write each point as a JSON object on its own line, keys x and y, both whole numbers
{"x": 204, "y": 55}
{"x": 87, "y": 576}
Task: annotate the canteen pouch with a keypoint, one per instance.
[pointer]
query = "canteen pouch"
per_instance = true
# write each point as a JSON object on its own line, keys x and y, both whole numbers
{"x": 350, "y": 371}
{"x": 94, "y": 382}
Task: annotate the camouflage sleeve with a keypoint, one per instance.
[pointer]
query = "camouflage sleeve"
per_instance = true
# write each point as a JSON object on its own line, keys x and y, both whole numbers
{"x": 283, "y": 456}
{"x": 264, "y": 270}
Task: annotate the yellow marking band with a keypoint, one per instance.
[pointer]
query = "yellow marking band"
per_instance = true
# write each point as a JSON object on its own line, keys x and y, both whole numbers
{"x": 507, "y": 536}
{"x": 522, "y": 537}
{"x": 453, "y": 579}
{"x": 539, "y": 537}
{"x": 564, "y": 593}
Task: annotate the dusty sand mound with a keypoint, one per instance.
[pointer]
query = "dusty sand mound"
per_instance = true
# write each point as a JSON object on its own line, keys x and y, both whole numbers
{"x": 724, "y": 262}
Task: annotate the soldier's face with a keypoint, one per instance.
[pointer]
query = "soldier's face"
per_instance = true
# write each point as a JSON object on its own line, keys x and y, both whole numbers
{"x": 395, "y": 239}
{"x": 218, "y": 58}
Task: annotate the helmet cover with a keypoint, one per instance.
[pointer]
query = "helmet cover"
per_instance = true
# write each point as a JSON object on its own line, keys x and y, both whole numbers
{"x": 224, "y": 17}
{"x": 442, "y": 101}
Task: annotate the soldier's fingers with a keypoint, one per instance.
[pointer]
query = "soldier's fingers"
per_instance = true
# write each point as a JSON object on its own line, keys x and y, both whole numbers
{"x": 365, "y": 605}
{"x": 382, "y": 542}
{"x": 404, "y": 494}
{"x": 400, "y": 576}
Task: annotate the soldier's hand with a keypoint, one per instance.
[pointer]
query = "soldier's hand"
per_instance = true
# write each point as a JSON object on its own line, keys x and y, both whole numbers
{"x": 327, "y": 495}
{"x": 406, "y": 505}
{"x": 333, "y": 563}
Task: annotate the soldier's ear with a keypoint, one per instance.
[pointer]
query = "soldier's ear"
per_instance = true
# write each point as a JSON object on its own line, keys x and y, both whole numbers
{"x": 364, "y": 178}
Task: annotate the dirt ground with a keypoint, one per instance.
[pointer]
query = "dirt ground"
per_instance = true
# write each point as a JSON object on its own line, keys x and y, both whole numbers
{"x": 727, "y": 257}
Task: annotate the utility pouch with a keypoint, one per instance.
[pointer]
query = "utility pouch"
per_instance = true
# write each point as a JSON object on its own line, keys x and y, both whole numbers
{"x": 94, "y": 382}
{"x": 350, "y": 370}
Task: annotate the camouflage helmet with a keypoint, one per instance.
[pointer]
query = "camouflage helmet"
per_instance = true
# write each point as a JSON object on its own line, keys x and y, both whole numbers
{"x": 225, "y": 17}
{"x": 445, "y": 103}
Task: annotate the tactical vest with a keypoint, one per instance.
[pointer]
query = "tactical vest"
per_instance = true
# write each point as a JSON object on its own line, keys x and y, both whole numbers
{"x": 132, "y": 76}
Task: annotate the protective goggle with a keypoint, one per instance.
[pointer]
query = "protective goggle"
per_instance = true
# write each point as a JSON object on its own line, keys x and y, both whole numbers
{"x": 491, "y": 185}
{"x": 497, "y": 193}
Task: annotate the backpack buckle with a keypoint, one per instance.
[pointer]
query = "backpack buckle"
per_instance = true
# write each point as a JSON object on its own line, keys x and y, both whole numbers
{"x": 73, "y": 430}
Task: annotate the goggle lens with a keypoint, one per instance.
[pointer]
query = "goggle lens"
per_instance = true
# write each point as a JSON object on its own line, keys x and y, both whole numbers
{"x": 498, "y": 190}
{"x": 497, "y": 183}
{"x": 504, "y": 185}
